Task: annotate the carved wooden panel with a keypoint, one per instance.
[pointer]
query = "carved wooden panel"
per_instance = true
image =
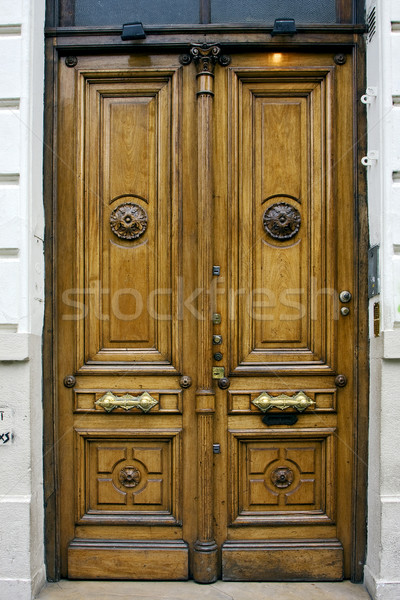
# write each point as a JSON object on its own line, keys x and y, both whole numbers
{"x": 282, "y": 476}
{"x": 129, "y": 477}
{"x": 282, "y": 229}
{"x": 128, "y": 236}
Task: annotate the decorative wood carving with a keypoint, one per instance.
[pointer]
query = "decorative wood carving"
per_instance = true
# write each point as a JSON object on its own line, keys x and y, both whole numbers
{"x": 133, "y": 476}
{"x": 129, "y": 221}
{"x": 205, "y": 558}
{"x": 273, "y": 335}
{"x": 205, "y": 56}
{"x": 136, "y": 115}
{"x": 282, "y": 477}
{"x": 129, "y": 476}
{"x": 282, "y": 221}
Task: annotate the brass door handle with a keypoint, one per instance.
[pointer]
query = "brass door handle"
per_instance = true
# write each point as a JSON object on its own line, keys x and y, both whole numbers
{"x": 110, "y": 401}
{"x": 299, "y": 401}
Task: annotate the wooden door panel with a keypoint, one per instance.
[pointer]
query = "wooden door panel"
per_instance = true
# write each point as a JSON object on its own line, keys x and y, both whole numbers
{"x": 122, "y": 559}
{"x": 282, "y": 476}
{"x": 128, "y": 276}
{"x": 129, "y": 477}
{"x": 282, "y": 560}
{"x": 282, "y": 283}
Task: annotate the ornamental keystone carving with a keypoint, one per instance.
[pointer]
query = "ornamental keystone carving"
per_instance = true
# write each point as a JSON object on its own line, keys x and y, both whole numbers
{"x": 128, "y": 221}
{"x": 129, "y": 477}
{"x": 282, "y": 221}
{"x": 282, "y": 477}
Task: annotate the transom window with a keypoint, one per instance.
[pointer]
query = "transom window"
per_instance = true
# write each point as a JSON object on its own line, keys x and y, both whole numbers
{"x": 97, "y": 13}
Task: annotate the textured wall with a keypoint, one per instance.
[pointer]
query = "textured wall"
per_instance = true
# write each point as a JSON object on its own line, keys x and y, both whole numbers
{"x": 382, "y": 573}
{"x": 21, "y": 298}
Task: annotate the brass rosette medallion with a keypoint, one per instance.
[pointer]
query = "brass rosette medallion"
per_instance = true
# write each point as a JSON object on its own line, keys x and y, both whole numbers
{"x": 129, "y": 477}
{"x": 282, "y": 221}
{"x": 128, "y": 221}
{"x": 282, "y": 477}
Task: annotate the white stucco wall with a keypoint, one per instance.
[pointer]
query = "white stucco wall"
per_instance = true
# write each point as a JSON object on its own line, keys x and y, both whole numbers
{"x": 382, "y": 571}
{"x": 22, "y": 570}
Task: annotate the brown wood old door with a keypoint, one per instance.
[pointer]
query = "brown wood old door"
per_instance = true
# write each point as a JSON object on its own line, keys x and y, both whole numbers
{"x": 205, "y": 231}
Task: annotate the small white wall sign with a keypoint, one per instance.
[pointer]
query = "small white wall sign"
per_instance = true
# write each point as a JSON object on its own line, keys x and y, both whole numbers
{"x": 6, "y": 423}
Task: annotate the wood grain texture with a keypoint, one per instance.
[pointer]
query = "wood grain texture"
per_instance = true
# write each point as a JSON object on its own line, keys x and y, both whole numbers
{"x": 282, "y": 560}
{"x": 280, "y": 117}
{"x": 205, "y": 548}
{"x": 163, "y": 560}
{"x": 282, "y": 291}
{"x": 230, "y": 496}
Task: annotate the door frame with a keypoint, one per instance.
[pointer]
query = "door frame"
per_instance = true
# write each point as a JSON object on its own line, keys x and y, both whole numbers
{"x": 63, "y": 42}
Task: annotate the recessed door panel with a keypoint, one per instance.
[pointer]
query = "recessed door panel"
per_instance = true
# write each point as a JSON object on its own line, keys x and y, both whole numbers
{"x": 127, "y": 236}
{"x": 282, "y": 282}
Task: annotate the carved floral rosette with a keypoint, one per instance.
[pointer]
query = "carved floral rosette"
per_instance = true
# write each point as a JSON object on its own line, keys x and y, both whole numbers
{"x": 128, "y": 221}
{"x": 129, "y": 477}
{"x": 282, "y": 221}
{"x": 282, "y": 477}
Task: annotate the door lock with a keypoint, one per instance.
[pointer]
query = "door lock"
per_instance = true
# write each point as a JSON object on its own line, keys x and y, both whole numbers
{"x": 217, "y": 339}
{"x": 218, "y": 372}
{"x": 216, "y": 318}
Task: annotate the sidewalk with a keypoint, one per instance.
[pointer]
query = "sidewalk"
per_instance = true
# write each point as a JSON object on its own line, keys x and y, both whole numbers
{"x": 188, "y": 590}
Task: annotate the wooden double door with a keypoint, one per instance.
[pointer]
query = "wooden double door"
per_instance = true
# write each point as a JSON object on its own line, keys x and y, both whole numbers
{"x": 205, "y": 357}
